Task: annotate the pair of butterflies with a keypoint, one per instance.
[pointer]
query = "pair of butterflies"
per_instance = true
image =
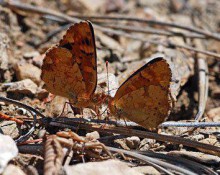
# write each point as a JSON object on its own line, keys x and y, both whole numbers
{"x": 70, "y": 70}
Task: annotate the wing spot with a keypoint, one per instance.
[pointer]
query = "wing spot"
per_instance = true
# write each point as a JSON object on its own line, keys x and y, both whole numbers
{"x": 87, "y": 41}
{"x": 88, "y": 54}
{"x": 67, "y": 46}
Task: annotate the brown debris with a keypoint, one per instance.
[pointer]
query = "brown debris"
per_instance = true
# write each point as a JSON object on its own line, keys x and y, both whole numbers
{"x": 53, "y": 156}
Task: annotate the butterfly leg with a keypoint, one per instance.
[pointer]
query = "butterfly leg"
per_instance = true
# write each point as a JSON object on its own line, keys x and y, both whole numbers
{"x": 76, "y": 110}
{"x": 64, "y": 106}
{"x": 125, "y": 122}
{"x": 97, "y": 112}
{"x": 49, "y": 98}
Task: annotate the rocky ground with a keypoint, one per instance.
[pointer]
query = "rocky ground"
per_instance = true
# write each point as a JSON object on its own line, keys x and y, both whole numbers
{"x": 28, "y": 28}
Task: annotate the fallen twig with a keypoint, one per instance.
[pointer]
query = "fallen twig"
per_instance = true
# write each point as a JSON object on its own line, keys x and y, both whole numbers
{"x": 152, "y": 31}
{"x": 152, "y": 22}
{"x": 203, "y": 87}
{"x": 6, "y": 117}
{"x": 184, "y": 162}
{"x": 130, "y": 29}
{"x": 190, "y": 124}
{"x": 144, "y": 134}
{"x": 153, "y": 161}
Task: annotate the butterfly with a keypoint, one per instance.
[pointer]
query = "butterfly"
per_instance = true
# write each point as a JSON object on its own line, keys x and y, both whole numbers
{"x": 70, "y": 70}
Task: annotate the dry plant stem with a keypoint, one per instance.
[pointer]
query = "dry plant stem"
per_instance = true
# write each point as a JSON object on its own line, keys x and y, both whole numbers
{"x": 62, "y": 121}
{"x": 127, "y": 29}
{"x": 31, "y": 149}
{"x": 14, "y": 5}
{"x": 151, "y": 31}
{"x": 176, "y": 160}
{"x": 153, "y": 22}
{"x": 53, "y": 156}
{"x": 69, "y": 157}
{"x": 97, "y": 121}
{"x": 6, "y": 117}
{"x": 152, "y": 161}
{"x": 144, "y": 134}
{"x": 203, "y": 87}
{"x": 190, "y": 124}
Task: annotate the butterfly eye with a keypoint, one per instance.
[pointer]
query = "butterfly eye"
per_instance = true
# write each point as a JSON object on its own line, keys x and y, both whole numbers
{"x": 119, "y": 111}
{"x": 95, "y": 100}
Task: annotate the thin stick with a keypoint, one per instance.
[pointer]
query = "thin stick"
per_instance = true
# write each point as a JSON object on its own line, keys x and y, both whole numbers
{"x": 132, "y": 124}
{"x": 203, "y": 87}
{"x": 45, "y": 11}
{"x": 6, "y": 117}
{"x": 190, "y": 124}
{"x": 176, "y": 160}
{"x": 152, "y": 161}
{"x": 146, "y": 30}
{"x": 152, "y": 22}
{"x": 152, "y": 31}
{"x": 144, "y": 134}
{"x": 97, "y": 121}
{"x": 106, "y": 63}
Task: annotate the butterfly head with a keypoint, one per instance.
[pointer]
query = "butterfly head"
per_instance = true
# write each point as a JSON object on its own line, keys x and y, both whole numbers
{"x": 114, "y": 109}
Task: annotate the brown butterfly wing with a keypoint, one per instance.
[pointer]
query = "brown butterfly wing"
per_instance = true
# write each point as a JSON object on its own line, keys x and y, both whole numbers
{"x": 70, "y": 69}
{"x": 145, "y": 96}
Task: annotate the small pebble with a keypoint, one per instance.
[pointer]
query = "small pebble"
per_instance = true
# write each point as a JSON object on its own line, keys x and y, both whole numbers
{"x": 133, "y": 142}
{"x": 93, "y": 135}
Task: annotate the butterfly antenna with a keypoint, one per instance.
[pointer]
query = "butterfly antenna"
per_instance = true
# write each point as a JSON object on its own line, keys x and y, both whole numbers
{"x": 106, "y": 64}
{"x": 104, "y": 111}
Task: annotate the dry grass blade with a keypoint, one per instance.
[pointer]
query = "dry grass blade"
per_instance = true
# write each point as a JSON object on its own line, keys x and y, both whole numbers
{"x": 6, "y": 117}
{"x": 153, "y": 162}
{"x": 203, "y": 87}
{"x": 153, "y": 22}
{"x": 151, "y": 31}
{"x": 175, "y": 160}
{"x": 190, "y": 124}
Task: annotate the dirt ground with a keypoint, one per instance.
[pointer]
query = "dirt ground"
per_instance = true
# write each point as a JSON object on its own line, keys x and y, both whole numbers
{"x": 185, "y": 32}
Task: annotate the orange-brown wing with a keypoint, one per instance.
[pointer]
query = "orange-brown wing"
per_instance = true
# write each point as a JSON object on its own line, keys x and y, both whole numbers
{"x": 70, "y": 68}
{"x": 145, "y": 96}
